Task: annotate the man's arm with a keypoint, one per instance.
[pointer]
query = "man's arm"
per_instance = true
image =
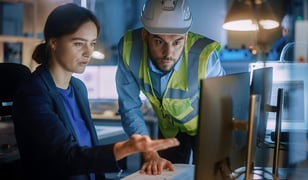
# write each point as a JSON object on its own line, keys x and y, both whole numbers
{"x": 132, "y": 117}
{"x": 129, "y": 101}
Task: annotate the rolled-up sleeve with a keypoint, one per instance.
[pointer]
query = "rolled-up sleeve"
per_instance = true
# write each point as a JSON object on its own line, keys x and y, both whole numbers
{"x": 129, "y": 101}
{"x": 214, "y": 66}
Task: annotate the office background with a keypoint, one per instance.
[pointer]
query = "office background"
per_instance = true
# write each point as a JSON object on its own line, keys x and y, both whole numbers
{"x": 20, "y": 32}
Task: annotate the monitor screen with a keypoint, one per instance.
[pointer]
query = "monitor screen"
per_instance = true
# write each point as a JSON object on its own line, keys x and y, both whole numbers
{"x": 100, "y": 82}
{"x": 220, "y": 149}
{"x": 91, "y": 78}
{"x": 261, "y": 84}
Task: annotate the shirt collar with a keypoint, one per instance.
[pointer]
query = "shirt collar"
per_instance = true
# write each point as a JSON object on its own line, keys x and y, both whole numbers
{"x": 156, "y": 70}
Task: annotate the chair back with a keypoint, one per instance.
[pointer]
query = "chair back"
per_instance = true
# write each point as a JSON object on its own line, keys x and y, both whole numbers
{"x": 11, "y": 75}
{"x": 295, "y": 52}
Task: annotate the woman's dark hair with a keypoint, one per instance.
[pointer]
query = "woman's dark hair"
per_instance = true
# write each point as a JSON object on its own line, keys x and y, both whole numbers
{"x": 63, "y": 20}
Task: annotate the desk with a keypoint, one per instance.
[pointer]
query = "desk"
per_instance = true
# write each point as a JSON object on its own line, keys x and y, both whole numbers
{"x": 181, "y": 171}
{"x": 115, "y": 120}
{"x": 186, "y": 172}
{"x": 110, "y": 134}
{"x": 109, "y": 129}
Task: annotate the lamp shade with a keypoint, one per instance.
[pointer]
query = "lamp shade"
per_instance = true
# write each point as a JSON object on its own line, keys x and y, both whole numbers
{"x": 266, "y": 17}
{"x": 250, "y": 15}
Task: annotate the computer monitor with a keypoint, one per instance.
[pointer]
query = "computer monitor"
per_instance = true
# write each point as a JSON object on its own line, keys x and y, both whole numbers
{"x": 101, "y": 86}
{"x": 100, "y": 82}
{"x": 261, "y": 84}
{"x": 220, "y": 149}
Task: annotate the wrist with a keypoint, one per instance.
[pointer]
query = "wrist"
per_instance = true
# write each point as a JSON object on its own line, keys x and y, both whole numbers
{"x": 150, "y": 155}
{"x": 120, "y": 151}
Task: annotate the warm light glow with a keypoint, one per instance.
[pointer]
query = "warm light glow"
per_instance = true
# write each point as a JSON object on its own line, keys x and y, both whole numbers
{"x": 98, "y": 55}
{"x": 240, "y": 25}
{"x": 248, "y": 25}
{"x": 251, "y": 15}
{"x": 268, "y": 24}
{"x": 254, "y": 52}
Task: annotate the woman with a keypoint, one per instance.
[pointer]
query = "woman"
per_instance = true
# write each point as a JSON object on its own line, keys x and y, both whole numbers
{"x": 54, "y": 131}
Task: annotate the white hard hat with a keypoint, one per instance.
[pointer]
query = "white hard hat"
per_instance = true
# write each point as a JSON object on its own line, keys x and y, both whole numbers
{"x": 166, "y": 16}
{"x": 286, "y": 22}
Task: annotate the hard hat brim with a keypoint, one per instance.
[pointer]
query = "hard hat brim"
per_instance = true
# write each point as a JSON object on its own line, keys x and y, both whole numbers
{"x": 167, "y": 30}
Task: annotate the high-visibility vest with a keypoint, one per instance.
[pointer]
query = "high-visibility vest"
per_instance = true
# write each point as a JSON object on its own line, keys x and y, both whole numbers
{"x": 178, "y": 108}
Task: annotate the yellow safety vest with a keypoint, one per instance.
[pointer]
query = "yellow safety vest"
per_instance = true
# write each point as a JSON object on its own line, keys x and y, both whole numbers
{"x": 178, "y": 109}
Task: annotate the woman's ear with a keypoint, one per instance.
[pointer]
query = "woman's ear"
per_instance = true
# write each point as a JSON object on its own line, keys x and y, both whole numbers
{"x": 53, "y": 43}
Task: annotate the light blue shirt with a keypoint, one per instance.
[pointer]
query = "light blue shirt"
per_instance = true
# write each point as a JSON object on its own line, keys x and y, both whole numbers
{"x": 128, "y": 91}
{"x": 159, "y": 78}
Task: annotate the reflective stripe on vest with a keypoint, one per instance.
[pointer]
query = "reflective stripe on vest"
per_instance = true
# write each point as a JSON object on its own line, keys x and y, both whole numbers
{"x": 178, "y": 110}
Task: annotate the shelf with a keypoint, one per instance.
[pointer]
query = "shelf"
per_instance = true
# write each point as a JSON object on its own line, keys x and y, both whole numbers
{"x": 19, "y": 39}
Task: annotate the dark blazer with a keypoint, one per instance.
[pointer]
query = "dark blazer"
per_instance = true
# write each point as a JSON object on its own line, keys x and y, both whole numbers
{"x": 45, "y": 137}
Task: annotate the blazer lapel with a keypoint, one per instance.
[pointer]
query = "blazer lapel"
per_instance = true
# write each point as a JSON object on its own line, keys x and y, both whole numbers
{"x": 52, "y": 90}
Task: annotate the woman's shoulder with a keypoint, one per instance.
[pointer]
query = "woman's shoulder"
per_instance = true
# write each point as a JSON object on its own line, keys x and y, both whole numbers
{"x": 39, "y": 81}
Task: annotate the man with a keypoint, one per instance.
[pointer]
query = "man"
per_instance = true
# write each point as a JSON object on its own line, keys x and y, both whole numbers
{"x": 165, "y": 61}
{"x": 286, "y": 37}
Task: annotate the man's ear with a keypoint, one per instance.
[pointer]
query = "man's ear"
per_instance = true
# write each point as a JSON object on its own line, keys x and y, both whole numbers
{"x": 144, "y": 34}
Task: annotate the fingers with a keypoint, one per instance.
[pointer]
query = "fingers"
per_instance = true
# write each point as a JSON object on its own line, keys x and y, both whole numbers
{"x": 149, "y": 168}
{"x": 144, "y": 143}
{"x": 169, "y": 166}
{"x": 156, "y": 167}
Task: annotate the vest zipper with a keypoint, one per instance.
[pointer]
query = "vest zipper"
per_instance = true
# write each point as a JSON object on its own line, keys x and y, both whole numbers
{"x": 167, "y": 116}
